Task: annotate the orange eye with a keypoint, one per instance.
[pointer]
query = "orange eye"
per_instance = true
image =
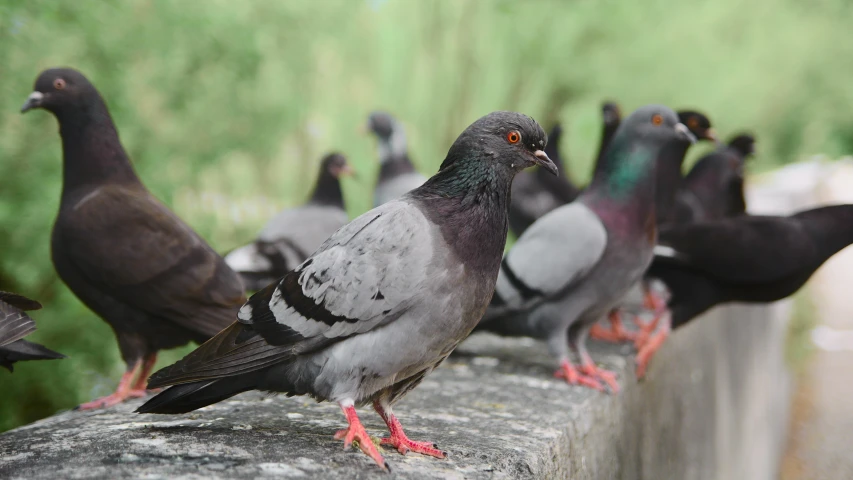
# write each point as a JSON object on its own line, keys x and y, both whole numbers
{"x": 59, "y": 84}
{"x": 513, "y": 137}
{"x": 657, "y": 119}
{"x": 692, "y": 122}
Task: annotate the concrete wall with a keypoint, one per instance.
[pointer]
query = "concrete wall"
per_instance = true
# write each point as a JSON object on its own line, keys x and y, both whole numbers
{"x": 714, "y": 406}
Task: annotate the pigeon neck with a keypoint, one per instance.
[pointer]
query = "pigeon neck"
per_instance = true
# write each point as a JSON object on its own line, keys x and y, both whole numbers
{"x": 468, "y": 200}
{"x": 328, "y": 190}
{"x": 830, "y": 227}
{"x": 393, "y": 153}
{"x": 606, "y": 136}
{"x": 622, "y": 191}
{"x": 92, "y": 152}
{"x": 668, "y": 177}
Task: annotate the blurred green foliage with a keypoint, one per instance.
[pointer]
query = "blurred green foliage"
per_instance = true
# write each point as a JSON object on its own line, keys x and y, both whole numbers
{"x": 226, "y": 106}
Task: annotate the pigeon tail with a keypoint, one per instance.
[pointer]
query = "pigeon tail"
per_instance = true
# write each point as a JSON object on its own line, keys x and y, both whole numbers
{"x": 192, "y": 396}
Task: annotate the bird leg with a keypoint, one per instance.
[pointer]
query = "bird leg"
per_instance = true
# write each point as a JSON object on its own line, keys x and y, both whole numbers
{"x": 617, "y": 332}
{"x": 644, "y": 356}
{"x": 141, "y": 383}
{"x": 572, "y": 376}
{"x": 656, "y": 304}
{"x": 122, "y": 393}
{"x": 398, "y": 438}
{"x": 355, "y": 432}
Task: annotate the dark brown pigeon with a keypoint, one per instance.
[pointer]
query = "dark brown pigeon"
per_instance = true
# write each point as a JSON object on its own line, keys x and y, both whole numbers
{"x": 122, "y": 252}
{"x": 15, "y": 324}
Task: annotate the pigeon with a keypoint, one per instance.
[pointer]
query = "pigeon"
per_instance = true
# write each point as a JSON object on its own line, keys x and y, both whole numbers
{"x": 382, "y": 302}
{"x": 293, "y": 234}
{"x": 122, "y": 252}
{"x": 611, "y": 116}
{"x": 597, "y": 247}
{"x": 753, "y": 259}
{"x": 714, "y": 187}
{"x": 537, "y": 192}
{"x": 397, "y": 174}
{"x": 14, "y": 326}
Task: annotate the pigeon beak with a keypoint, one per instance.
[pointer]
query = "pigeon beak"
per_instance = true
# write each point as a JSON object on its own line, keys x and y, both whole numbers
{"x": 33, "y": 101}
{"x": 347, "y": 171}
{"x": 711, "y": 135}
{"x": 684, "y": 133}
{"x": 543, "y": 161}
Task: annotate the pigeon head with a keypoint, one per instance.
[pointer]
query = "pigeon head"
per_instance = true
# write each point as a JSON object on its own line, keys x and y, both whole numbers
{"x": 744, "y": 144}
{"x": 336, "y": 165}
{"x": 63, "y": 90}
{"x": 611, "y": 113}
{"x": 698, "y": 124}
{"x": 382, "y": 124}
{"x": 507, "y": 141}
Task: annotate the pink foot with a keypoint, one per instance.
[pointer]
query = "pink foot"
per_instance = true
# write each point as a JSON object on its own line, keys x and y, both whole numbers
{"x": 590, "y": 369}
{"x": 356, "y": 433}
{"x": 644, "y": 356}
{"x": 398, "y": 438}
{"x": 112, "y": 399}
{"x": 574, "y": 377}
{"x": 616, "y": 333}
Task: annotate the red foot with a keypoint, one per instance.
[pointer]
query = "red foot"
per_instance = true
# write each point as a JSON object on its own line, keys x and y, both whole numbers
{"x": 656, "y": 304}
{"x": 644, "y": 356}
{"x": 573, "y": 377}
{"x": 617, "y": 332}
{"x": 356, "y": 432}
{"x": 590, "y": 369}
{"x": 398, "y": 438}
{"x": 122, "y": 393}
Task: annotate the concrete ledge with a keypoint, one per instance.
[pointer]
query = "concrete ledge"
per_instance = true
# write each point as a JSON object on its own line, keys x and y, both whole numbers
{"x": 714, "y": 405}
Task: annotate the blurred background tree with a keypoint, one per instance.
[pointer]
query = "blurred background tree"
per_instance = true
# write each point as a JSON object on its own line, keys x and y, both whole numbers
{"x": 225, "y": 108}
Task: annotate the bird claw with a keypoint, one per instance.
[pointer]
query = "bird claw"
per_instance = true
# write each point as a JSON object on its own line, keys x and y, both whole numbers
{"x": 573, "y": 377}
{"x": 644, "y": 356}
{"x": 615, "y": 334}
{"x": 112, "y": 399}
{"x": 404, "y": 446}
{"x": 356, "y": 433}
{"x": 606, "y": 376}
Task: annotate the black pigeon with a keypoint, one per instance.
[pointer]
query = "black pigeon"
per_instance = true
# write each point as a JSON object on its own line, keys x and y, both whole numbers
{"x": 753, "y": 259}
{"x": 611, "y": 116}
{"x": 397, "y": 174}
{"x": 669, "y": 179}
{"x": 714, "y": 187}
{"x": 293, "y": 234}
{"x": 122, "y": 252}
{"x": 14, "y": 326}
{"x": 382, "y": 302}
{"x": 537, "y": 192}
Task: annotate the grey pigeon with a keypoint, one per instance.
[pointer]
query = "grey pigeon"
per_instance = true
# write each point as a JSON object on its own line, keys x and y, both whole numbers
{"x": 597, "y": 248}
{"x": 713, "y": 189}
{"x": 536, "y": 192}
{"x": 397, "y": 174}
{"x": 15, "y": 324}
{"x": 382, "y": 302}
{"x": 122, "y": 252}
{"x": 293, "y": 234}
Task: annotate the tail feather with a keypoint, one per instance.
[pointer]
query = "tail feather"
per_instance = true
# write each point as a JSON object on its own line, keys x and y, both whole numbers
{"x": 192, "y": 396}
{"x": 23, "y": 350}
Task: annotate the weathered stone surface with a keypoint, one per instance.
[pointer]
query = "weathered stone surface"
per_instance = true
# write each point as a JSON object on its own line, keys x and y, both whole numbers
{"x": 714, "y": 405}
